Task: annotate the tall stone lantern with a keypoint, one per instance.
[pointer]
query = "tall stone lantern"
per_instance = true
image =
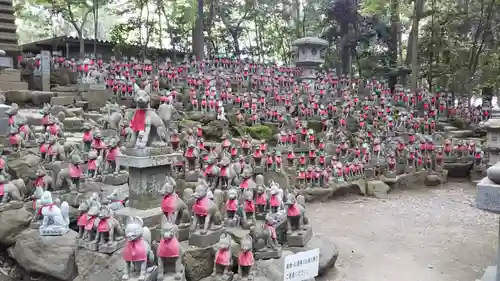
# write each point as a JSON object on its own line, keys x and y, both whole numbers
{"x": 488, "y": 199}
{"x": 492, "y": 126}
{"x": 308, "y": 56}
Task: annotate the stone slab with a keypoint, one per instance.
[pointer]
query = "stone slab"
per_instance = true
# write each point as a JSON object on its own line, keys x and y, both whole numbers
{"x": 150, "y": 217}
{"x": 199, "y": 240}
{"x": 488, "y": 196}
{"x": 111, "y": 248}
{"x": 146, "y": 160}
{"x": 89, "y": 245}
{"x": 489, "y": 274}
{"x": 299, "y": 240}
{"x": 151, "y": 274}
{"x": 265, "y": 254}
{"x": 62, "y": 100}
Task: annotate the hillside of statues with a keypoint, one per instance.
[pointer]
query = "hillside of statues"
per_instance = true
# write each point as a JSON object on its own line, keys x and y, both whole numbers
{"x": 202, "y": 170}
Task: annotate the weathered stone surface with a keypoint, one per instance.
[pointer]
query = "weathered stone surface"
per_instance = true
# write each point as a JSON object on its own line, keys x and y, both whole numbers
{"x": 97, "y": 266}
{"x": 63, "y": 100}
{"x": 377, "y": 188}
{"x": 50, "y": 255}
{"x": 460, "y": 133}
{"x": 13, "y": 223}
{"x": 23, "y": 167}
{"x": 19, "y": 97}
{"x": 41, "y": 97}
{"x": 328, "y": 252}
{"x": 95, "y": 98}
{"x": 199, "y": 262}
{"x": 458, "y": 170}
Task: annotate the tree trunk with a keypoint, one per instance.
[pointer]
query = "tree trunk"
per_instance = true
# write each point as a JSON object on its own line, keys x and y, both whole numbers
{"x": 197, "y": 34}
{"x": 415, "y": 69}
{"x": 82, "y": 44}
{"x": 393, "y": 45}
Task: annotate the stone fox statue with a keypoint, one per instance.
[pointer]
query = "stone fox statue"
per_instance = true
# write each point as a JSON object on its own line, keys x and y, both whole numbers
{"x": 137, "y": 252}
{"x": 147, "y": 126}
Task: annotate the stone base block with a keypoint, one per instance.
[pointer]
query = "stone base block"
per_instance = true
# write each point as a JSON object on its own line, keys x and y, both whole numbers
{"x": 259, "y": 170}
{"x": 109, "y": 248}
{"x": 191, "y": 176}
{"x": 150, "y": 217}
{"x": 267, "y": 253}
{"x": 489, "y": 274}
{"x": 205, "y": 240}
{"x": 119, "y": 179}
{"x": 13, "y": 205}
{"x": 35, "y": 225}
{"x": 151, "y": 274}
{"x": 184, "y": 234}
{"x": 172, "y": 277}
{"x": 53, "y": 232}
{"x": 299, "y": 238}
{"x": 89, "y": 245}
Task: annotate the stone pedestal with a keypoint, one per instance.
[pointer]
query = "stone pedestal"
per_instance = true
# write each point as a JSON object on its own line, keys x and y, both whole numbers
{"x": 299, "y": 238}
{"x": 488, "y": 199}
{"x": 147, "y": 171}
{"x": 205, "y": 240}
{"x": 4, "y": 120}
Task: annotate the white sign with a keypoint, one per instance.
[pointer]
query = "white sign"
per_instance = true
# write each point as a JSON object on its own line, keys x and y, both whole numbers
{"x": 301, "y": 266}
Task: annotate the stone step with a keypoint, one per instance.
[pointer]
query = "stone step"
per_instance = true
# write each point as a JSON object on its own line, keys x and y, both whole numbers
{"x": 6, "y": 2}
{"x": 6, "y": 8}
{"x": 7, "y": 36}
{"x": 8, "y": 47}
{"x": 10, "y": 75}
{"x": 8, "y": 27}
{"x": 7, "y": 18}
{"x": 13, "y": 86}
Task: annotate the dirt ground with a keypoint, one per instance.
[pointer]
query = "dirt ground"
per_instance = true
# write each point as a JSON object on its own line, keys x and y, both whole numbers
{"x": 415, "y": 235}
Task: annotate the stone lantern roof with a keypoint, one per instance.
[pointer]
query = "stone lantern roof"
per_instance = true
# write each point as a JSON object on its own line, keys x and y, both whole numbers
{"x": 310, "y": 40}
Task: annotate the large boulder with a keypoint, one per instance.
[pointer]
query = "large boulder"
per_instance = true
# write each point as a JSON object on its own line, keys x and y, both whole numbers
{"x": 97, "y": 266}
{"x": 19, "y": 97}
{"x": 328, "y": 252}
{"x": 13, "y": 223}
{"x": 50, "y": 255}
{"x": 23, "y": 167}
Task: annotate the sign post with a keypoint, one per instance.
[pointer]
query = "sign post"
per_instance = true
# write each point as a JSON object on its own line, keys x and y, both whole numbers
{"x": 301, "y": 266}
{"x": 45, "y": 69}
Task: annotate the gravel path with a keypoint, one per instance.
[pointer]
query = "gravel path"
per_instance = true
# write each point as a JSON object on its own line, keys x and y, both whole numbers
{"x": 415, "y": 235}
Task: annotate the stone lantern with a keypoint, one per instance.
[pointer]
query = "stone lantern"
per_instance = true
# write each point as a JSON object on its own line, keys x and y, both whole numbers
{"x": 5, "y": 62}
{"x": 308, "y": 56}
{"x": 492, "y": 126}
{"x": 488, "y": 199}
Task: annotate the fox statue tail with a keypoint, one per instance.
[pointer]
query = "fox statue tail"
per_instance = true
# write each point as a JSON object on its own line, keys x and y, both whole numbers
{"x": 65, "y": 211}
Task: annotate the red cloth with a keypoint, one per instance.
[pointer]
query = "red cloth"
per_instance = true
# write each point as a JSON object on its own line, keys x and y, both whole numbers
{"x": 200, "y": 207}
{"x": 103, "y": 225}
{"x": 249, "y": 206}
{"x": 246, "y": 258}
{"x": 223, "y": 257}
{"x": 134, "y": 251}
{"x": 2, "y": 189}
{"x": 231, "y": 205}
{"x": 82, "y": 220}
{"x": 90, "y": 223}
{"x": 168, "y": 203}
{"x": 168, "y": 248}
{"x": 138, "y": 122}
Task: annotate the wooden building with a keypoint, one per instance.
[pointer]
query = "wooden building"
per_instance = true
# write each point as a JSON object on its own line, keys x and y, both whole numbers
{"x": 70, "y": 48}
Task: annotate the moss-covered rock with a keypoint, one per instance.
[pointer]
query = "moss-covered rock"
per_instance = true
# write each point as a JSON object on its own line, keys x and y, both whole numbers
{"x": 261, "y": 132}
{"x": 187, "y": 123}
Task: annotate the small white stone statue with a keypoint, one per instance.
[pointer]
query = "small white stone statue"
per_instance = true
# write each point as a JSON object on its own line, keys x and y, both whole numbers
{"x": 55, "y": 220}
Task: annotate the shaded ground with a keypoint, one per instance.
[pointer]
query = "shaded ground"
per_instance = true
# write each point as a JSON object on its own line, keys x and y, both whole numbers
{"x": 416, "y": 235}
